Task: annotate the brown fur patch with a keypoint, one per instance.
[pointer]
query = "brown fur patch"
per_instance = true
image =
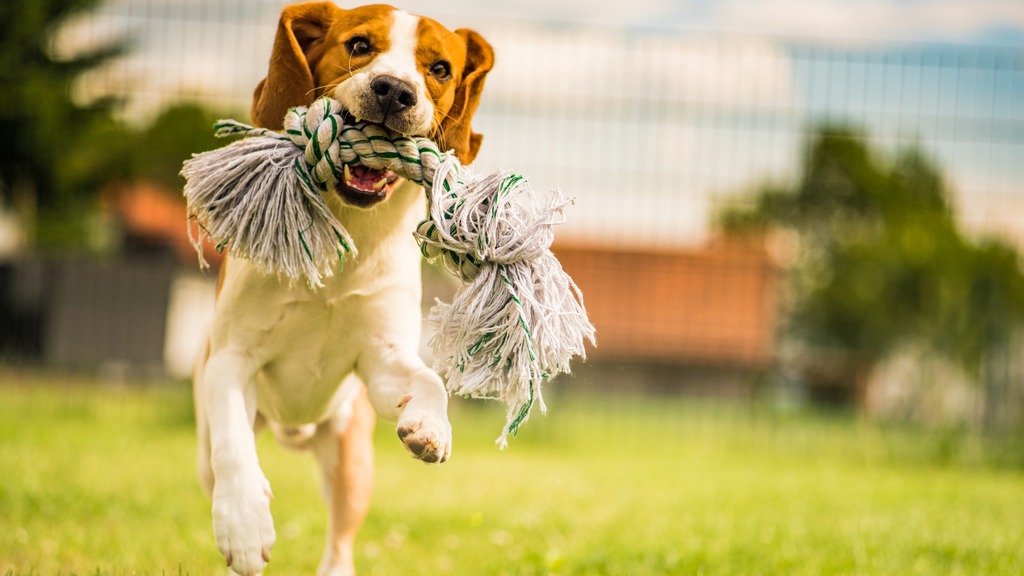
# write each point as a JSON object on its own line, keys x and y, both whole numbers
{"x": 311, "y": 57}
{"x": 221, "y": 275}
{"x": 475, "y": 60}
{"x": 338, "y": 64}
{"x": 437, "y": 43}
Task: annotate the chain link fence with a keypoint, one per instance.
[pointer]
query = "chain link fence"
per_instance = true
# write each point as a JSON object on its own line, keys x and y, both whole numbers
{"x": 655, "y": 132}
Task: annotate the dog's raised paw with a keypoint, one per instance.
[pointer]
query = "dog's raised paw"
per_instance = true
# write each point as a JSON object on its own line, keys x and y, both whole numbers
{"x": 427, "y": 436}
{"x": 242, "y": 525}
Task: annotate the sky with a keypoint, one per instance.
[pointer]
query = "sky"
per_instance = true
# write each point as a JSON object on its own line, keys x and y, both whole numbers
{"x": 655, "y": 113}
{"x": 998, "y": 22}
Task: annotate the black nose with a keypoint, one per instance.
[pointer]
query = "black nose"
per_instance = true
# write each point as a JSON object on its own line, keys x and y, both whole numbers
{"x": 393, "y": 95}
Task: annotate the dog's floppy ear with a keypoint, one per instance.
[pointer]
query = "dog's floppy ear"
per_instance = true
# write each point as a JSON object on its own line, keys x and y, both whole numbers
{"x": 455, "y": 132}
{"x": 298, "y": 48}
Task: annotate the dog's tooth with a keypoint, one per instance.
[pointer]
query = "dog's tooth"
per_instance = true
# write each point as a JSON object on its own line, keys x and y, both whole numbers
{"x": 348, "y": 174}
{"x": 380, "y": 183}
{"x": 358, "y": 119}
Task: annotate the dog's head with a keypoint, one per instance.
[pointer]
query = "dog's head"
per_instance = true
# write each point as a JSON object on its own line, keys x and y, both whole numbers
{"x": 405, "y": 72}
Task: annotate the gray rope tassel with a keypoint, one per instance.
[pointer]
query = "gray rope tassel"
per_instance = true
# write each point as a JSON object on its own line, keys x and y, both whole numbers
{"x": 517, "y": 320}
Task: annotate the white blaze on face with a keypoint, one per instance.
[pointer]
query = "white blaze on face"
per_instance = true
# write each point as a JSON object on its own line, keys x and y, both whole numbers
{"x": 399, "y": 61}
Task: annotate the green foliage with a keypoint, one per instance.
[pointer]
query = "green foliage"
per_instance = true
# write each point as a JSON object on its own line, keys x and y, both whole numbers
{"x": 111, "y": 151}
{"x": 59, "y": 152}
{"x": 881, "y": 260}
{"x": 52, "y": 145}
{"x": 159, "y": 150}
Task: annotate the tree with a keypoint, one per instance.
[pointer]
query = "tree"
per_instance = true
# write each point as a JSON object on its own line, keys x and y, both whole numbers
{"x": 174, "y": 136}
{"x": 882, "y": 262}
{"x": 55, "y": 153}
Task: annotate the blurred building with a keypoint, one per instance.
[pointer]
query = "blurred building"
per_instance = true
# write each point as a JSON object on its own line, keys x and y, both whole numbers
{"x": 87, "y": 313}
{"x": 701, "y": 319}
{"x": 121, "y": 313}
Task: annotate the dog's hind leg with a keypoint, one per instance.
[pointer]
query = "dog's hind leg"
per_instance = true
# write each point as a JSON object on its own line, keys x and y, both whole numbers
{"x": 343, "y": 445}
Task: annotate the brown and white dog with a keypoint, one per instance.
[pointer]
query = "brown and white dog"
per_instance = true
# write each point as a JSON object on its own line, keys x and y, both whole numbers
{"x": 295, "y": 358}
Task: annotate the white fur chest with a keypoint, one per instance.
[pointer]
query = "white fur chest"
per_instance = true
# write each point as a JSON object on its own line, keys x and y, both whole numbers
{"x": 303, "y": 342}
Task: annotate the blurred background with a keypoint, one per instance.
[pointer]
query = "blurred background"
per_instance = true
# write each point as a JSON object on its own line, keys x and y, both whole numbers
{"x": 800, "y": 214}
{"x": 822, "y": 200}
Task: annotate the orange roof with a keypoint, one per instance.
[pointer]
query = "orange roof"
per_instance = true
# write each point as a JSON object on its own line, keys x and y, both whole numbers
{"x": 158, "y": 214}
{"x": 715, "y": 305}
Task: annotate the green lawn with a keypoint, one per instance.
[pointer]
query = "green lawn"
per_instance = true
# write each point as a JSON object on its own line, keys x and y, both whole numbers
{"x": 101, "y": 479}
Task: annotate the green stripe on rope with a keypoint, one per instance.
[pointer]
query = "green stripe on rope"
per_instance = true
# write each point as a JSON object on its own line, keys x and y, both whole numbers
{"x": 521, "y": 416}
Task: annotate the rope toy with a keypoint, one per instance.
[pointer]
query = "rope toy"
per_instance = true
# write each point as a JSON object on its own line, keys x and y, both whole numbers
{"x": 518, "y": 318}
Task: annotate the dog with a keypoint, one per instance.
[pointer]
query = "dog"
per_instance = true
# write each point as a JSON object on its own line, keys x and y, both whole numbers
{"x": 318, "y": 365}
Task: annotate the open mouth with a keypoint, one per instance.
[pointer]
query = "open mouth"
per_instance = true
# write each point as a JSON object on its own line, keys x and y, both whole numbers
{"x": 363, "y": 186}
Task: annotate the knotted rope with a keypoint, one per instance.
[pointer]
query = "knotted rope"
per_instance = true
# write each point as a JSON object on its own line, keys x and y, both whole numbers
{"x": 517, "y": 320}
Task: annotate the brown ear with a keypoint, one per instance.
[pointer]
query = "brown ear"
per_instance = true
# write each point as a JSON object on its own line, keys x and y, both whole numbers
{"x": 298, "y": 47}
{"x": 455, "y": 132}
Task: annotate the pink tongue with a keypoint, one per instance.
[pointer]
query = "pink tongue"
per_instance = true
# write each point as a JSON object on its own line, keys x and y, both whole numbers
{"x": 363, "y": 177}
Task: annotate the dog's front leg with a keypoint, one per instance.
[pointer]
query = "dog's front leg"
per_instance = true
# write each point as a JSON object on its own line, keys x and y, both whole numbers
{"x": 402, "y": 388}
{"x": 242, "y": 523}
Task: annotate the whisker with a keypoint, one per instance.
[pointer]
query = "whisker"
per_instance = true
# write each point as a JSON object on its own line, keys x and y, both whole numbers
{"x": 449, "y": 117}
{"x": 438, "y": 129}
{"x": 324, "y": 87}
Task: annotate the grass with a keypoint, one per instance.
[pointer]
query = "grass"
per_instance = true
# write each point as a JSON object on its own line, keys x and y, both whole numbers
{"x": 101, "y": 480}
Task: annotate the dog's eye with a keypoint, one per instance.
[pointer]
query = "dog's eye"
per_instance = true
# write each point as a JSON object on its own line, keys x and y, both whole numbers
{"x": 358, "y": 45}
{"x": 441, "y": 69}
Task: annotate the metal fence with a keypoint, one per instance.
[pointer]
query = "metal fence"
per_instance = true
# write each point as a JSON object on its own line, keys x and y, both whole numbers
{"x": 650, "y": 129}
{"x": 653, "y": 130}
